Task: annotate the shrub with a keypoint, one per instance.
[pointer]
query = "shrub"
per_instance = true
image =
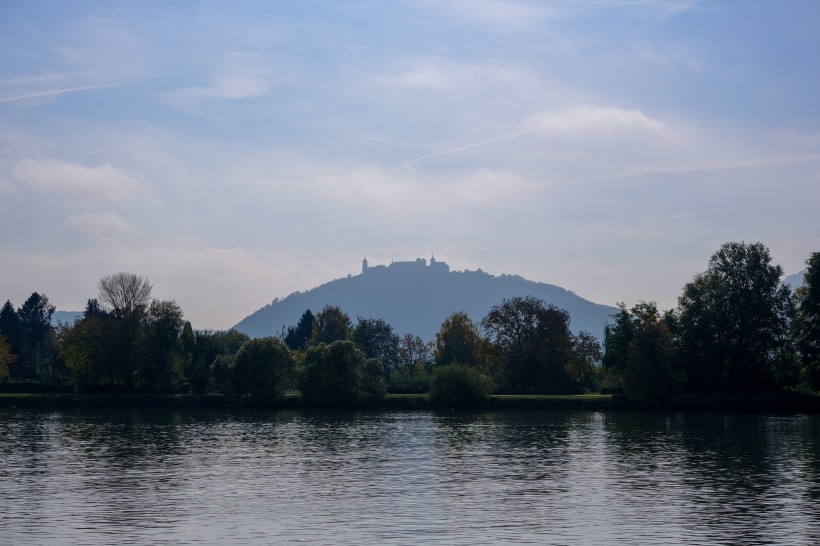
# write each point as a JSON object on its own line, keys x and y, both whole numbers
{"x": 340, "y": 375}
{"x": 457, "y": 385}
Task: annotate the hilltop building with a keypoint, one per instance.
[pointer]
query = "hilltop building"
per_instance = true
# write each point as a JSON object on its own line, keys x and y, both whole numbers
{"x": 419, "y": 265}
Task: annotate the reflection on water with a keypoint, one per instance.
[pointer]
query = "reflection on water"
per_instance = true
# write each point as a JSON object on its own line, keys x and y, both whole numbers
{"x": 375, "y": 478}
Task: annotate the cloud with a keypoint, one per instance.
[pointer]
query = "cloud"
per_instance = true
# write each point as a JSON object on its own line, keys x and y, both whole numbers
{"x": 667, "y": 8}
{"x": 442, "y": 75}
{"x": 102, "y": 182}
{"x": 593, "y": 123}
{"x": 56, "y": 92}
{"x": 501, "y": 14}
{"x": 100, "y": 223}
{"x": 578, "y": 125}
{"x": 241, "y": 76}
{"x": 407, "y": 193}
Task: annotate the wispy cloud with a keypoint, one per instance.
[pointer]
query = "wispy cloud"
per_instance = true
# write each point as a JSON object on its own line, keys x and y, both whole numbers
{"x": 56, "y": 92}
{"x": 436, "y": 74}
{"x": 665, "y": 7}
{"x": 580, "y": 123}
{"x": 501, "y": 14}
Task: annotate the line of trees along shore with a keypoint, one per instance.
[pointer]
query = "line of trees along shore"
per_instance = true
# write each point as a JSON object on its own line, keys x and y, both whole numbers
{"x": 736, "y": 329}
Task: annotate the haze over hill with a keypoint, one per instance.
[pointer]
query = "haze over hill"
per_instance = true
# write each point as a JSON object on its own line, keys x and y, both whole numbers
{"x": 796, "y": 279}
{"x": 415, "y": 297}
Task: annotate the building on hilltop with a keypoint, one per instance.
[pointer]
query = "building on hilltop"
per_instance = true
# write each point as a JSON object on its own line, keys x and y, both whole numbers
{"x": 417, "y": 265}
{"x": 440, "y": 267}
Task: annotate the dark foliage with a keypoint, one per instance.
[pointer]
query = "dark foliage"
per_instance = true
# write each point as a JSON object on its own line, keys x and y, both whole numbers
{"x": 339, "y": 375}
{"x": 263, "y": 371}
{"x": 458, "y": 386}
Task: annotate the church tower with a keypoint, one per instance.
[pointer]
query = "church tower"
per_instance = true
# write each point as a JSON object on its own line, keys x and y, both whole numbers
{"x": 364, "y": 265}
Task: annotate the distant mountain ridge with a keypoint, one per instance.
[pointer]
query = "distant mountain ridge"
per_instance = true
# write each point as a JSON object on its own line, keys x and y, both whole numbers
{"x": 65, "y": 317}
{"x": 795, "y": 280}
{"x": 415, "y": 297}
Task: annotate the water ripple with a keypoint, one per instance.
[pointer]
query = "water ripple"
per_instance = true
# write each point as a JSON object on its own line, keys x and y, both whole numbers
{"x": 408, "y": 478}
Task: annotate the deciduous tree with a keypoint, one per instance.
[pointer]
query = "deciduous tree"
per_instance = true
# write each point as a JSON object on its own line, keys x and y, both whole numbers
{"x": 6, "y": 357}
{"x": 534, "y": 342}
{"x": 648, "y": 374}
{"x": 414, "y": 352}
{"x": 263, "y": 370}
{"x": 377, "y": 339}
{"x": 340, "y": 375}
{"x": 733, "y": 320}
{"x": 331, "y": 324}
{"x": 808, "y": 322}
{"x": 458, "y": 341}
{"x": 125, "y": 297}
{"x": 161, "y": 361}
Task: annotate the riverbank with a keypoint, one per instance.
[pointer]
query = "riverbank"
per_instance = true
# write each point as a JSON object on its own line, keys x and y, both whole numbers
{"x": 777, "y": 402}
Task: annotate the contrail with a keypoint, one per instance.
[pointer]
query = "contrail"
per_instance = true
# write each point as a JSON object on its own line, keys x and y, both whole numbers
{"x": 57, "y": 92}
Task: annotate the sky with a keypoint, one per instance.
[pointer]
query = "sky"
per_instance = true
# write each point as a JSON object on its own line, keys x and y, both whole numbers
{"x": 235, "y": 152}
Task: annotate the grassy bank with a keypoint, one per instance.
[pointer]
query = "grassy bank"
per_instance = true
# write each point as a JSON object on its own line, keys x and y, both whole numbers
{"x": 61, "y": 400}
{"x": 779, "y": 402}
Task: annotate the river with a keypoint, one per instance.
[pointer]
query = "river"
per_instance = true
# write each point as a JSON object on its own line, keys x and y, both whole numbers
{"x": 194, "y": 477}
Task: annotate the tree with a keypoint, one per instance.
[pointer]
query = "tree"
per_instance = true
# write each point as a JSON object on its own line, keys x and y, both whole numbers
{"x": 126, "y": 297}
{"x": 808, "y": 322}
{"x": 263, "y": 370}
{"x": 340, "y": 375}
{"x": 376, "y": 339}
{"x": 6, "y": 357}
{"x": 10, "y": 327}
{"x": 414, "y": 352}
{"x": 38, "y": 352}
{"x": 331, "y": 324}
{"x": 648, "y": 373}
{"x": 220, "y": 378}
{"x": 533, "y": 341}
{"x": 162, "y": 355}
{"x": 617, "y": 337}
{"x": 582, "y": 367}
{"x": 733, "y": 321}
{"x": 187, "y": 342}
{"x": 208, "y": 346}
{"x": 84, "y": 349}
{"x": 458, "y": 341}
{"x": 297, "y": 336}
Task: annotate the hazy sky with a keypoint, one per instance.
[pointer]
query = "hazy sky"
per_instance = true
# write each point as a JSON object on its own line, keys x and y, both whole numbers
{"x": 233, "y": 152}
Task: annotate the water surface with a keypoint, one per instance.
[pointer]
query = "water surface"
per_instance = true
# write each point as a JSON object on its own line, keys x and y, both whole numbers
{"x": 187, "y": 477}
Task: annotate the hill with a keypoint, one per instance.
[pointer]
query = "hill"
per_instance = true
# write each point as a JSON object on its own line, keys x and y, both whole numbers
{"x": 65, "y": 317}
{"x": 794, "y": 280}
{"x": 416, "y": 298}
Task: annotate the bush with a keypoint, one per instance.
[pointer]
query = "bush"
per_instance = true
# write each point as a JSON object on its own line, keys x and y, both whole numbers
{"x": 339, "y": 375}
{"x": 263, "y": 370}
{"x": 457, "y": 386}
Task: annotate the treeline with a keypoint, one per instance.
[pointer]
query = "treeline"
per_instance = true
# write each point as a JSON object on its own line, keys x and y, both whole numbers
{"x": 735, "y": 329}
